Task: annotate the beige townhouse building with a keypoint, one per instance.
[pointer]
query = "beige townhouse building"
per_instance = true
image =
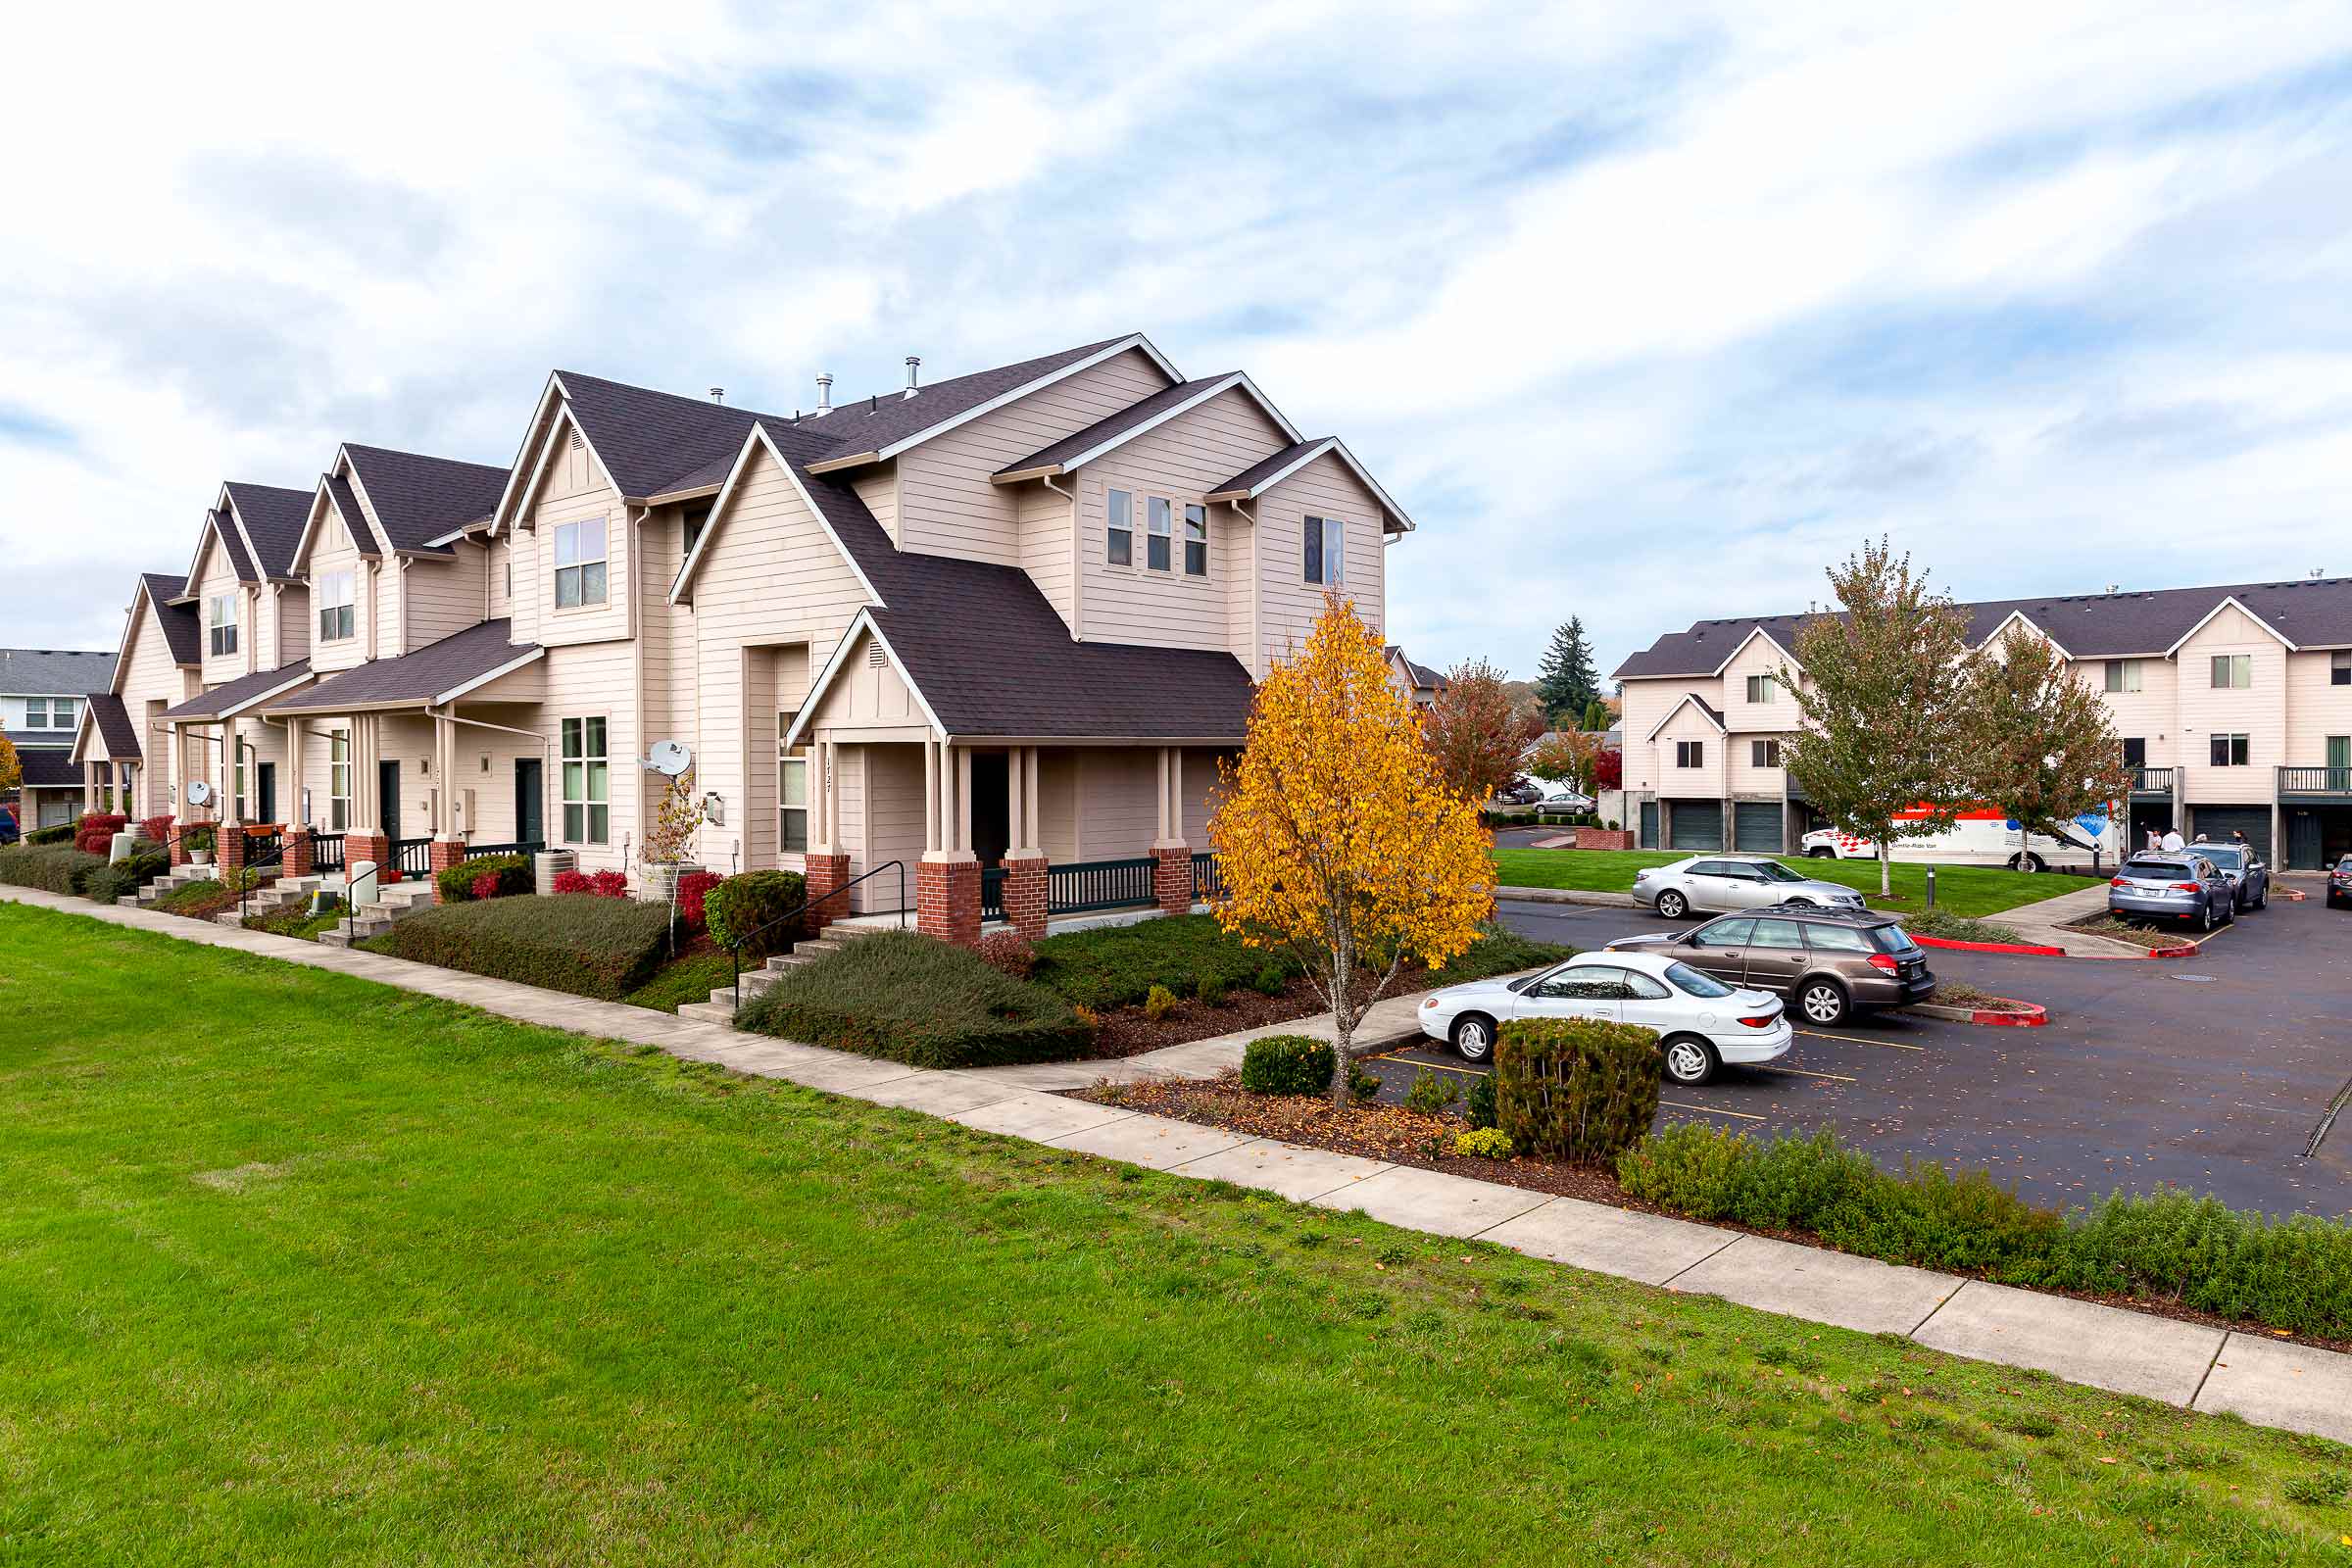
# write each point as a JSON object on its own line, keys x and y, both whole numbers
{"x": 985, "y": 638}
{"x": 122, "y": 743}
{"x": 2235, "y": 704}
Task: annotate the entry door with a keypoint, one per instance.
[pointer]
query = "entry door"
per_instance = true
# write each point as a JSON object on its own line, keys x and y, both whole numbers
{"x": 1649, "y": 824}
{"x": 387, "y": 784}
{"x": 530, "y": 802}
{"x": 992, "y": 801}
{"x": 265, "y": 792}
{"x": 2303, "y": 852}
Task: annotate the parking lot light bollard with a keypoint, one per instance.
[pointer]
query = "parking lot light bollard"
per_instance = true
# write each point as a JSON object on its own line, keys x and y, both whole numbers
{"x": 1930, "y": 887}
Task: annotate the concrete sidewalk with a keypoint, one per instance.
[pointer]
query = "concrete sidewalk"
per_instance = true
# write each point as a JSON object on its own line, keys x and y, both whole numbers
{"x": 2273, "y": 1384}
{"x": 2039, "y": 923}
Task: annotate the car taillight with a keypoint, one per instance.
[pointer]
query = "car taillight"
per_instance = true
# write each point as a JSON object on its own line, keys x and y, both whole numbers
{"x": 1760, "y": 1021}
{"x": 2187, "y": 887}
{"x": 1880, "y": 961}
{"x": 2120, "y": 882}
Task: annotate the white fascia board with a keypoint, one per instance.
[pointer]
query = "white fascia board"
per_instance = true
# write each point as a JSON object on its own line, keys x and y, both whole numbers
{"x": 227, "y": 506}
{"x": 2227, "y": 601}
{"x": 2030, "y": 625}
{"x": 1309, "y": 455}
{"x": 838, "y": 661}
{"x": 1753, "y": 632}
{"x": 321, "y": 499}
{"x": 83, "y": 731}
{"x": 259, "y": 698}
{"x": 758, "y": 436}
{"x": 539, "y": 414}
{"x": 1182, "y": 406}
{"x": 1689, "y": 700}
{"x": 529, "y": 657}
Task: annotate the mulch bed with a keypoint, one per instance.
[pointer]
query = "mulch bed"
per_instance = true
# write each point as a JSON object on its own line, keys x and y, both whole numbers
{"x": 2153, "y": 938}
{"x": 1959, "y": 993}
{"x": 1401, "y": 1137}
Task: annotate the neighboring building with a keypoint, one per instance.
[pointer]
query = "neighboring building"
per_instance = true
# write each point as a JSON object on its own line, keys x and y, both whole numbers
{"x": 2235, "y": 704}
{"x": 1001, "y": 622}
{"x": 43, "y": 693}
{"x": 122, "y": 743}
{"x": 1418, "y": 683}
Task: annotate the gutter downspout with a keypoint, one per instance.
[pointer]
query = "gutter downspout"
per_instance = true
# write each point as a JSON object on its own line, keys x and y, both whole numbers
{"x": 1258, "y": 590}
{"x": 1077, "y": 561}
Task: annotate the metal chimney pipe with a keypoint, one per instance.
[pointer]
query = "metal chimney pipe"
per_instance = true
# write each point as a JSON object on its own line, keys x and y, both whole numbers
{"x": 824, "y": 393}
{"x": 914, "y": 364}
{"x": 719, "y": 394}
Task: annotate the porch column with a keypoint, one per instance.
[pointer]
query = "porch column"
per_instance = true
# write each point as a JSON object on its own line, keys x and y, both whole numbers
{"x": 947, "y": 884}
{"x": 1026, "y": 879}
{"x": 176, "y": 752}
{"x": 1172, "y": 876}
{"x": 826, "y": 865}
{"x": 90, "y": 787}
{"x": 366, "y": 840}
{"x": 448, "y": 849}
{"x": 228, "y": 838}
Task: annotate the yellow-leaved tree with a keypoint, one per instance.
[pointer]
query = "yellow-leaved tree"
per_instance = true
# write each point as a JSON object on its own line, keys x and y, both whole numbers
{"x": 12, "y": 772}
{"x": 1338, "y": 839}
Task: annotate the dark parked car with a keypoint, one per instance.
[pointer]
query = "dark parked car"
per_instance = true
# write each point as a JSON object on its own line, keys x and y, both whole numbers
{"x": 2339, "y": 884}
{"x": 2184, "y": 886}
{"x": 2249, "y": 878}
{"x": 1830, "y": 964}
{"x": 8, "y": 826}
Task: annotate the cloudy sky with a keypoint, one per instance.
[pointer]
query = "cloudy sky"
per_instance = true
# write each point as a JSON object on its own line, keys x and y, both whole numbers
{"x": 1646, "y": 311}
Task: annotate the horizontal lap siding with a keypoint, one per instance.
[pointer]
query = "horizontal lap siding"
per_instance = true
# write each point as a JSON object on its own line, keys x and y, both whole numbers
{"x": 892, "y": 821}
{"x": 333, "y": 551}
{"x": 878, "y": 488}
{"x": 584, "y": 681}
{"x": 1060, "y": 812}
{"x": 502, "y": 561}
{"x": 2258, "y": 712}
{"x": 2150, "y": 715}
{"x": 292, "y": 640}
{"x": 389, "y": 639}
{"x": 1119, "y": 815}
{"x": 444, "y": 595}
{"x": 150, "y": 677}
{"x": 1290, "y": 604}
{"x": 1200, "y": 793}
{"x": 574, "y": 490}
{"x": 1045, "y": 519}
{"x": 217, "y": 574}
{"x": 1647, "y": 702}
{"x": 2316, "y": 708}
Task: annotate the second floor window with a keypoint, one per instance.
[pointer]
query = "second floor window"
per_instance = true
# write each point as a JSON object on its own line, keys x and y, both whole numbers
{"x": 2123, "y": 675}
{"x": 1196, "y": 540}
{"x": 337, "y": 618}
{"x": 1690, "y": 753}
{"x": 2233, "y": 672}
{"x": 221, "y": 616}
{"x": 1763, "y": 688}
{"x": 2229, "y": 751}
{"x": 49, "y": 713}
{"x": 587, "y": 783}
{"x": 1157, "y": 543}
{"x": 689, "y": 529}
{"x": 580, "y": 564}
{"x": 1120, "y": 546}
{"x": 1326, "y": 551}
{"x": 2339, "y": 668}
{"x": 1764, "y": 753}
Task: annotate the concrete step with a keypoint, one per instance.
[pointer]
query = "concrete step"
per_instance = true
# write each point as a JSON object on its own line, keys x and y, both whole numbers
{"x": 131, "y": 901}
{"x": 718, "y": 1013}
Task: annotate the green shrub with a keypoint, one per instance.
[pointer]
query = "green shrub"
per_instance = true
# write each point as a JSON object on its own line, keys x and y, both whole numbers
{"x": 124, "y": 877}
{"x": 190, "y": 898}
{"x": 1211, "y": 991}
{"x": 1575, "y": 1088}
{"x": 1430, "y": 1095}
{"x": 1287, "y": 1064}
{"x": 1159, "y": 1002}
{"x": 1478, "y": 1106}
{"x": 1957, "y": 928}
{"x": 588, "y": 945}
{"x": 62, "y": 833}
{"x": 1483, "y": 1143}
{"x": 1117, "y": 966}
{"x": 1689, "y": 1167}
{"x": 295, "y": 923}
{"x": 921, "y": 1001}
{"x": 2294, "y": 1274}
{"x": 1270, "y": 980}
{"x": 739, "y": 908}
{"x": 1362, "y": 1083}
{"x": 51, "y": 867}
{"x": 455, "y": 883}
{"x": 197, "y": 841}
{"x": 1499, "y": 950}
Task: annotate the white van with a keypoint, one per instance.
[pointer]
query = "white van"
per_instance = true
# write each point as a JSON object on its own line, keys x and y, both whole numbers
{"x": 1982, "y": 837}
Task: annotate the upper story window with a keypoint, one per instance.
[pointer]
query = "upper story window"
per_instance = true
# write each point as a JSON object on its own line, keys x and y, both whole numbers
{"x": 1326, "y": 551}
{"x": 2123, "y": 675}
{"x": 48, "y": 712}
{"x": 2229, "y": 751}
{"x": 690, "y": 528}
{"x": 1120, "y": 510}
{"x": 580, "y": 564}
{"x": 1764, "y": 753}
{"x": 1690, "y": 753}
{"x": 337, "y": 615}
{"x": 221, "y": 616}
{"x": 2233, "y": 672}
{"x": 1763, "y": 688}
{"x": 2339, "y": 668}
{"x": 1196, "y": 540}
{"x": 1158, "y": 542}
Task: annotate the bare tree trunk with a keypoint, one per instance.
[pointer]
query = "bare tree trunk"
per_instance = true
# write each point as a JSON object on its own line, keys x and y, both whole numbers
{"x": 1886, "y": 868}
{"x": 1342, "y": 1018}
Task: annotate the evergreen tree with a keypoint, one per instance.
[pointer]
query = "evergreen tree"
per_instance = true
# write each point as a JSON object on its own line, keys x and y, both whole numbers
{"x": 1566, "y": 681}
{"x": 1596, "y": 716}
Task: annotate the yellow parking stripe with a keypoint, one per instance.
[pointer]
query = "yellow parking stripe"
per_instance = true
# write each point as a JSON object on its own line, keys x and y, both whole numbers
{"x": 1439, "y": 1066}
{"x": 1862, "y": 1040}
{"x": 1802, "y": 1072}
{"x": 1712, "y": 1111}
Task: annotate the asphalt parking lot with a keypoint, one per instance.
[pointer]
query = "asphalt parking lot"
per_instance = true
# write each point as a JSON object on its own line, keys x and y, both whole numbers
{"x": 2212, "y": 1073}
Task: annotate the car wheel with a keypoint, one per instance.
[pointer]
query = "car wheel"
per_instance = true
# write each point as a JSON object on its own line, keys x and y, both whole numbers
{"x": 1823, "y": 1002}
{"x": 2205, "y": 919}
{"x": 1473, "y": 1037}
{"x": 1821, "y": 852}
{"x": 1691, "y": 1059}
{"x": 2026, "y": 862}
{"x": 1673, "y": 905}
{"x": 2261, "y": 899}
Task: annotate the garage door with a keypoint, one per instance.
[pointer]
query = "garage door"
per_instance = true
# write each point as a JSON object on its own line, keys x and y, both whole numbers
{"x": 1694, "y": 824}
{"x": 1757, "y": 825}
{"x": 2220, "y": 822}
{"x": 1649, "y": 824}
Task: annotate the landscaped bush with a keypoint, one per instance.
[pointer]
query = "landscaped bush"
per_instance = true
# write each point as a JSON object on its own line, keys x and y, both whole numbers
{"x": 52, "y": 867}
{"x": 1117, "y": 966}
{"x": 1007, "y": 953}
{"x": 1499, "y": 950}
{"x": 1576, "y": 1089}
{"x": 1478, "y": 1106}
{"x": 194, "y": 897}
{"x": 62, "y": 833}
{"x": 124, "y": 877}
{"x": 740, "y": 907}
{"x": 156, "y": 829}
{"x": 921, "y": 1001}
{"x": 596, "y": 884}
{"x": 590, "y": 946}
{"x": 1483, "y": 1143}
{"x": 94, "y": 831}
{"x": 1159, "y": 1002}
{"x": 510, "y": 874}
{"x": 1287, "y": 1064}
{"x": 2293, "y": 1274}
{"x": 1430, "y": 1095}
{"x": 197, "y": 841}
{"x": 693, "y": 888}
{"x": 1957, "y": 928}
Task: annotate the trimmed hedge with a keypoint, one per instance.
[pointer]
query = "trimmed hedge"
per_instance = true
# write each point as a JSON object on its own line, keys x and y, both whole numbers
{"x": 590, "y": 946}
{"x": 736, "y": 910}
{"x": 52, "y": 867}
{"x": 62, "y": 833}
{"x": 1117, "y": 966}
{"x": 2170, "y": 1246}
{"x": 455, "y": 883}
{"x": 1580, "y": 1089}
{"x": 124, "y": 877}
{"x": 917, "y": 1000}
{"x": 1288, "y": 1065}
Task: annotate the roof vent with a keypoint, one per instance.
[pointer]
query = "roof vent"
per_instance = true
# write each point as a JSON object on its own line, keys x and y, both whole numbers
{"x": 719, "y": 394}
{"x": 576, "y": 442}
{"x": 875, "y": 658}
{"x": 824, "y": 393}
{"x": 914, "y": 364}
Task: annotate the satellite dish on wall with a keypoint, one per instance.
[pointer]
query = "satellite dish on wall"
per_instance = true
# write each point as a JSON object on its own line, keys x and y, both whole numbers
{"x": 671, "y": 758}
{"x": 200, "y": 792}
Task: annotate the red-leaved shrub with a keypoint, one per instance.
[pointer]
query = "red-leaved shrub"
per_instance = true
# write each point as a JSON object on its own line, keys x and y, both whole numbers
{"x": 604, "y": 884}
{"x": 156, "y": 829}
{"x": 486, "y": 886}
{"x": 95, "y": 831}
{"x": 693, "y": 887}
{"x": 1007, "y": 953}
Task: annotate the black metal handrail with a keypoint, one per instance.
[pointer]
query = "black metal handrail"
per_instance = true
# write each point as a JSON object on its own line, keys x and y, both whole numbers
{"x": 475, "y": 852}
{"x": 1083, "y": 884}
{"x": 735, "y": 948}
{"x": 249, "y": 875}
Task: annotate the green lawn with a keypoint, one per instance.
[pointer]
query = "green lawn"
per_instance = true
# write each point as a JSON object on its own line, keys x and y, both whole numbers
{"x": 297, "y": 1269}
{"x": 1964, "y": 890}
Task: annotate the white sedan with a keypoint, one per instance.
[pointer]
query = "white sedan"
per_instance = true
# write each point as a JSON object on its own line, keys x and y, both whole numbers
{"x": 1703, "y": 1023}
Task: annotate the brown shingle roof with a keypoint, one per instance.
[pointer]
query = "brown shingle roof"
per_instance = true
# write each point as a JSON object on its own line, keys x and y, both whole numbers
{"x": 416, "y": 677}
{"x": 114, "y": 727}
{"x": 235, "y": 694}
{"x": 182, "y": 633}
{"x": 418, "y": 498}
{"x": 273, "y": 518}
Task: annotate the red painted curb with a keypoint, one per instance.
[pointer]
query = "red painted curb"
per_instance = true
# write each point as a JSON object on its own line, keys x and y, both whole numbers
{"x": 2033, "y": 1020}
{"x": 2029, "y": 949}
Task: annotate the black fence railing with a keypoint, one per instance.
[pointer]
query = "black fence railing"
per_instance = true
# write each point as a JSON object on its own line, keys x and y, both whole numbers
{"x": 1208, "y": 879}
{"x": 326, "y": 852}
{"x": 2154, "y": 782}
{"x": 1085, "y": 884}
{"x": 413, "y": 857}
{"x": 264, "y": 848}
{"x": 2315, "y": 781}
{"x": 475, "y": 851}
{"x": 992, "y": 892}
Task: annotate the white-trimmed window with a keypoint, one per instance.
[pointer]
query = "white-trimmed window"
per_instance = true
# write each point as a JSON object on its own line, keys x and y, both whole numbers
{"x": 1763, "y": 689}
{"x": 1764, "y": 753}
{"x": 2124, "y": 675}
{"x": 1690, "y": 753}
{"x": 1119, "y": 537}
{"x": 1159, "y": 541}
{"x": 2232, "y": 671}
{"x": 2339, "y": 668}
{"x": 221, "y": 618}
{"x": 1195, "y": 540}
{"x": 580, "y": 564}
{"x": 792, "y": 791}
{"x": 2229, "y": 751}
{"x": 339, "y": 614}
{"x": 1326, "y": 562}
{"x": 587, "y": 783}
{"x": 48, "y": 712}
{"x": 338, "y": 780}
{"x": 236, "y": 773}
{"x": 691, "y": 523}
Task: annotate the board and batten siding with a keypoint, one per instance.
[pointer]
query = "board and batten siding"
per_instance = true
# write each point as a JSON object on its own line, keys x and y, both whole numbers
{"x": 1287, "y": 604}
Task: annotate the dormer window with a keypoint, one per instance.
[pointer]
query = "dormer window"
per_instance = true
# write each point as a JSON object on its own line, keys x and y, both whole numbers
{"x": 221, "y": 620}
{"x": 580, "y": 563}
{"x": 337, "y": 614}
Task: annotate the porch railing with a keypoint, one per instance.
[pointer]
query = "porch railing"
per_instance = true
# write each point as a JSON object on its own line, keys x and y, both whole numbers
{"x": 326, "y": 852}
{"x": 475, "y": 851}
{"x": 413, "y": 857}
{"x": 264, "y": 847}
{"x": 992, "y": 892}
{"x": 1208, "y": 879}
{"x": 2152, "y": 781}
{"x": 1085, "y": 884}
{"x": 2315, "y": 781}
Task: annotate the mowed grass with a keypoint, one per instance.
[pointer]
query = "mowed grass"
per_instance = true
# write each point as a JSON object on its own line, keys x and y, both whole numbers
{"x": 298, "y": 1269}
{"x": 1963, "y": 890}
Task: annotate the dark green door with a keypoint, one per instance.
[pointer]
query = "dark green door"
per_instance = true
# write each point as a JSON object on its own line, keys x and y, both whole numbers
{"x": 387, "y": 783}
{"x": 530, "y": 803}
{"x": 265, "y": 792}
{"x": 1649, "y": 824}
{"x": 2218, "y": 822}
{"x": 1756, "y": 826}
{"x": 2303, "y": 840}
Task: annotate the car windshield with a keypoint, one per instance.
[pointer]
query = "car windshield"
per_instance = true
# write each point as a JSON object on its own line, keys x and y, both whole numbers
{"x": 1775, "y": 871}
{"x": 2228, "y": 856}
{"x": 1696, "y": 982}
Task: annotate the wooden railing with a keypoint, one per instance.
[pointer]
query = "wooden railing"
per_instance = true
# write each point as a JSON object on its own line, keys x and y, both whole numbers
{"x": 2315, "y": 781}
{"x": 1084, "y": 885}
{"x": 2152, "y": 781}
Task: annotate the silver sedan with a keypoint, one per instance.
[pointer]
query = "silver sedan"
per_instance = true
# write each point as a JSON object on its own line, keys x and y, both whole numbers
{"x": 1718, "y": 883}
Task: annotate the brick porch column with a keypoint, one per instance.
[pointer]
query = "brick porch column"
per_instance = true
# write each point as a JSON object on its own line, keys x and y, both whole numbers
{"x": 827, "y": 873}
{"x": 229, "y": 847}
{"x": 374, "y": 848}
{"x": 946, "y": 897}
{"x": 302, "y": 856}
{"x": 179, "y": 848}
{"x": 1172, "y": 877}
{"x": 440, "y": 855}
{"x": 1026, "y": 885}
